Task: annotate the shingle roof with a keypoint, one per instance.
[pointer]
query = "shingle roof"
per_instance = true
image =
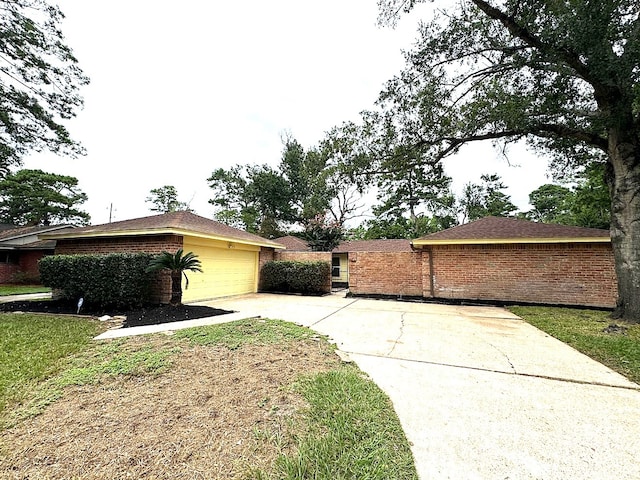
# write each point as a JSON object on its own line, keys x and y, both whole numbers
{"x": 511, "y": 230}
{"x": 293, "y": 244}
{"x": 17, "y": 232}
{"x": 392, "y": 245}
{"x": 174, "y": 222}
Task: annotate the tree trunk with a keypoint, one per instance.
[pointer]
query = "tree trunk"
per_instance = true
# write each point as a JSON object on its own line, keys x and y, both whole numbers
{"x": 624, "y": 185}
{"x": 176, "y": 288}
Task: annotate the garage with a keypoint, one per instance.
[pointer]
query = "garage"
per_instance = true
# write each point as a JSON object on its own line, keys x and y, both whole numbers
{"x": 230, "y": 257}
{"x": 228, "y": 268}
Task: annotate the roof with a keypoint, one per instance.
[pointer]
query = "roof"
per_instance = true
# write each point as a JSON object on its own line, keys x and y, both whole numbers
{"x": 294, "y": 244}
{"x": 8, "y": 233}
{"x": 177, "y": 223}
{"x": 26, "y": 238}
{"x": 392, "y": 245}
{"x": 496, "y": 230}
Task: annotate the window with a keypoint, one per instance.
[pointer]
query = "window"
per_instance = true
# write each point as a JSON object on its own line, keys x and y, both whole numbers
{"x": 9, "y": 257}
{"x": 335, "y": 267}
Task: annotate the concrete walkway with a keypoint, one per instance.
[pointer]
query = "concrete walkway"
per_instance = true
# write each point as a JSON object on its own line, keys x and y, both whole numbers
{"x": 480, "y": 393}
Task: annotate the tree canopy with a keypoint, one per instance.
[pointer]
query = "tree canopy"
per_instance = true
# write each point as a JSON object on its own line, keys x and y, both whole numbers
{"x": 165, "y": 200}
{"x": 560, "y": 76}
{"x": 34, "y": 197}
{"x": 39, "y": 82}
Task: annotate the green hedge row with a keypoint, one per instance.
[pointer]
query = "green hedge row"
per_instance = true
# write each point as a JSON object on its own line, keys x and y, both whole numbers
{"x": 114, "y": 280}
{"x": 299, "y": 277}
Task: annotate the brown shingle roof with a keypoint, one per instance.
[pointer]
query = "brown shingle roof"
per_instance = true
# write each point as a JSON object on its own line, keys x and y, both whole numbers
{"x": 293, "y": 244}
{"x": 174, "y": 222}
{"x": 16, "y": 232}
{"x": 393, "y": 245}
{"x": 511, "y": 230}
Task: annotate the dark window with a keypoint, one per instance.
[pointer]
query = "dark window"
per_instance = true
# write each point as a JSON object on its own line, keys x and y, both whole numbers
{"x": 335, "y": 267}
{"x": 9, "y": 257}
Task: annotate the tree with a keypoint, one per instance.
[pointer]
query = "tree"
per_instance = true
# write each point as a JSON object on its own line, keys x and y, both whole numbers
{"x": 39, "y": 82}
{"x": 34, "y": 197}
{"x": 562, "y": 76}
{"x": 587, "y": 204}
{"x": 322, "y": 234}
{"x": 269, "y": 201}
{"x": 165, "y": 200}
{"x": 177, "y": 264}
{"x": 551, "y": 204}
{"x": 485, "y": 199}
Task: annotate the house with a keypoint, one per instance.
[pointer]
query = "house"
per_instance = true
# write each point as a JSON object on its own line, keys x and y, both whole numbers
{"x": 230, "y": 257}
{"x": 298, "y": 249}
{"x": 511, "y": 260}
{"x": 21, "y": 249}
{"x": 492, "y": 259}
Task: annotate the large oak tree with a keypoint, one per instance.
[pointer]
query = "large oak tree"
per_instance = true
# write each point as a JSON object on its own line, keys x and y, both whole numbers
{"x": 560, "y": 75}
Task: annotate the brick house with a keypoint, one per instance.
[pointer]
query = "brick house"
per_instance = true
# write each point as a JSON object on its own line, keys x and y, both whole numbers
{"x": 21, "y": 249}
{"x": 491, "y": 259}
{"x": 231, "y": 258}
{"x": 505, "y": 259}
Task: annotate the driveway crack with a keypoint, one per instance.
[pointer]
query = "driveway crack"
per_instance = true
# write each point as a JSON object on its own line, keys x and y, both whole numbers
{"x": 397, "y": 340}
{"x": 513, "y": 368}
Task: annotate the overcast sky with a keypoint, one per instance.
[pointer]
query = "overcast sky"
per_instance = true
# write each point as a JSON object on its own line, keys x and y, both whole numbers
{"x": 179, "y": 89}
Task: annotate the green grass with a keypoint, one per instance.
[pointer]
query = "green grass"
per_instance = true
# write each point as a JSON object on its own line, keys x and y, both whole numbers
{"x": 349, "y": 431}
{"x": 22, "y": 289}
{"x": 240, "y": 332}
{"x": 34, "y": 347}
{"x": 583, "y": 330}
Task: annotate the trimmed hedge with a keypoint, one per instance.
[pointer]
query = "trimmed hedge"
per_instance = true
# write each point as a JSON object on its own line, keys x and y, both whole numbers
{"x": 115, "y": 280}
{"x": 299, "y": 277}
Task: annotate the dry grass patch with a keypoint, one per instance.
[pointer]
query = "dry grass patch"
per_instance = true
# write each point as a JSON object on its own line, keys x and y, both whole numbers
{"x": 214, "y": 413}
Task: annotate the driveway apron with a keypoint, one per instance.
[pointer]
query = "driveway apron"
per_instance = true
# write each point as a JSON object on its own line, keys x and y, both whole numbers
{"x": 480, "y": 393}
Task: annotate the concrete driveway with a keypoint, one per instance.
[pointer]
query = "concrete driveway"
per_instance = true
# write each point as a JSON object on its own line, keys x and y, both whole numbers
{"x": 480, "y": 393}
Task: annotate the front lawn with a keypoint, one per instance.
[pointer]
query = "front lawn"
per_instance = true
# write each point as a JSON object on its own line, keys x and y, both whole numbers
{"x": 253, "y": 399}
{"x": 611, "y": 342}
{"x": 22, "y": 289}
{"x": 34, "y": 347}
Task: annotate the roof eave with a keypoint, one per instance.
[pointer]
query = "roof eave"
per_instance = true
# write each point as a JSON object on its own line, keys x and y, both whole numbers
{"x": 502, "y": 241}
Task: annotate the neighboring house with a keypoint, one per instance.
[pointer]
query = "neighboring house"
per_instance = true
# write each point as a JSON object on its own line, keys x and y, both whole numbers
{"x": 231, "y": 258}
{"x": 21, "y": 249}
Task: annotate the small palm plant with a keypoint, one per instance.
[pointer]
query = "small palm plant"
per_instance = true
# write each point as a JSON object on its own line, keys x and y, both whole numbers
{"x": 177, "y": 264}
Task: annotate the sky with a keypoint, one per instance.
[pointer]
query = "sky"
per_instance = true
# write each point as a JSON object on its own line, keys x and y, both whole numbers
{"x": 179, "y": 89}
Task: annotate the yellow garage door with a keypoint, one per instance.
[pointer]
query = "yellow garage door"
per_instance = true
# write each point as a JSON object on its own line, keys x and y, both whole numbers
{"x": 226, "y": 271}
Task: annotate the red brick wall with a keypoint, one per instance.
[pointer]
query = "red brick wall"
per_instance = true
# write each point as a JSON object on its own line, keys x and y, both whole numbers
{"x": 7, "y": 271}
{"x": 161, "y": 287}
{"x": 386, "y": 273}
{"x": 27, "y": 266}
{"x": 566, "y": 274}
{"x": 283, "y": 255}
{"x": 142, "y": 243}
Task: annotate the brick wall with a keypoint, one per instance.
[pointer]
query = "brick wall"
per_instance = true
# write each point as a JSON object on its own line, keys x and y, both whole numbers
{"x": 565, "y": 274}
{"x": 7, "y": 271}
{"x": 161, "y": 286}
{"x": 142, "y": 243}
{"x": 27, "y": 266}
{"x": 387, "y": 273}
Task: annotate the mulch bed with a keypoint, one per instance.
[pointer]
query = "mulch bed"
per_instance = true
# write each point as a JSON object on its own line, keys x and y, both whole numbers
{"x": 151, "y": 315}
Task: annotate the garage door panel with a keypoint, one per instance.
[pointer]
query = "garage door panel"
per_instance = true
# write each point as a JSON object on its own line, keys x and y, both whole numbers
{"x": 225, "y": 272}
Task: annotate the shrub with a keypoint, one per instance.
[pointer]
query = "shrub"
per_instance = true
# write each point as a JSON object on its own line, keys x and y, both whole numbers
{"x": 115, "y": 280}
{"x": 299, "y": 277}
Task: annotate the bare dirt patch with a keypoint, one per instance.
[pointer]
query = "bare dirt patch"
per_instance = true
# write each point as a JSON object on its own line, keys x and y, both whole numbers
{"x": 215, "y": 414}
